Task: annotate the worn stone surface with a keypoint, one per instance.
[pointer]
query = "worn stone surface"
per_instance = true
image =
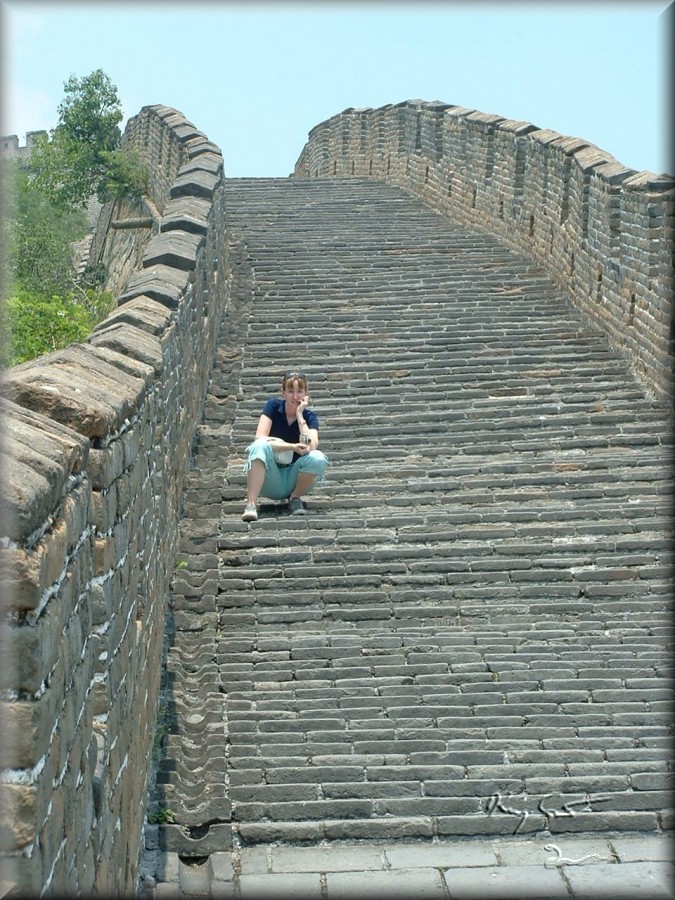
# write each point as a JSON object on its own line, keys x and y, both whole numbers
{"x": 195, "y": 182}
{"x": 99, "y": 441}
{"x": 466, "y": 637}
{"x": 186, "y": 214}
{"x": 141, "y": 312}
{"x": 27, "y": 498}
{"x": 133, "y": 342}
{"x": 206, "y": 161}
{"x": 560, "y": 200}
{"x": 174, "y": 248}
{"x": 87, "y": 390}
{"x": 44, "y": 434}
{"x": 160, "y": 282}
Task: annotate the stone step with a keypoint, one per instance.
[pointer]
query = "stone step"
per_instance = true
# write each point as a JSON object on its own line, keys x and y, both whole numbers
{"x": 470, "y": 627}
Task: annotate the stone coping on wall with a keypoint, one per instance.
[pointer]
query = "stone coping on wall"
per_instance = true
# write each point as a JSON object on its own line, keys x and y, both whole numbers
{"x": 97, "y": 447}
{"x": 40, "y": 457}
{"x": 92, "y": 390}
{"x": 570, "y": 145}
{"x": 601, "y": 230}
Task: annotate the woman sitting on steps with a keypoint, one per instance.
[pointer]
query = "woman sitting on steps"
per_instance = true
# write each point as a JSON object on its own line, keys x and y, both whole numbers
{"x": 283, "y": 461}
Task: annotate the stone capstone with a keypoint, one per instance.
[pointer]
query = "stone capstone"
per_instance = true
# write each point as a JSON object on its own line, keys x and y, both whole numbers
{"x": 186, "y": 214}
{"x": 160, "y": 282}
{"x": 89, "y": 390}
{"x": 178, "y": 249}
{"x": 142, "y": 312}
{"x": 133, "y": 342}
{"x": 195, "y": 184}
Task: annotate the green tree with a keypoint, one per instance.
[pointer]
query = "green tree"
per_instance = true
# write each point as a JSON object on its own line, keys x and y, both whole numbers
{"x": 45, "y": 305}
{"x": 83, "y": 156}
{"x": 39, "y": 236}
{"x": 37, "y": 324}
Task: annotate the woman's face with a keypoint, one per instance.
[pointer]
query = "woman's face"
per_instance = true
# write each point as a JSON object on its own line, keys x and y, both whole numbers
{"x": 294, "y": 391}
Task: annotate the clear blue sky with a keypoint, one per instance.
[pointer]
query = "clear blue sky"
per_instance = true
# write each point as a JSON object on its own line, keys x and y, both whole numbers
{"x": 256, "y": 77}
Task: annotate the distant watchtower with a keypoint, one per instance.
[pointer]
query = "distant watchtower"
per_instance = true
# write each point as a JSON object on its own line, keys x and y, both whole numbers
{"x": 11, "y": 149}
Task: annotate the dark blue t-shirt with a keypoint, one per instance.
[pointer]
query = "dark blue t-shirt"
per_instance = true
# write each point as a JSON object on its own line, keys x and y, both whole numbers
{"x": 275, "y": 410}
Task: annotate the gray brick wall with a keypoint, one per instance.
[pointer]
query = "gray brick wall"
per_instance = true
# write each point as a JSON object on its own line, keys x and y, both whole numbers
{"x": 97, "y": 447}
{"x": 604, "y": 232}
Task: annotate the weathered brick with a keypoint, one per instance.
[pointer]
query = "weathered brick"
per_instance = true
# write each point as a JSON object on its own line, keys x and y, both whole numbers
{"x": 18, "y": 826}
{"x": 499, "y": 570}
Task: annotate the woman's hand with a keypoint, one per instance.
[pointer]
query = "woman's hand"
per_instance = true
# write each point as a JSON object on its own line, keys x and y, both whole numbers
{"x": 301, "y": 448}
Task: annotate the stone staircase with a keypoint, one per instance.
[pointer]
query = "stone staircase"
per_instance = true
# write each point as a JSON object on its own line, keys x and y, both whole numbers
{"x": 469, "y": 633}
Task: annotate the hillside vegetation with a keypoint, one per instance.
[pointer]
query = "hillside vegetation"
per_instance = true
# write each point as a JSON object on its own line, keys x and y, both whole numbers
{"x": 47, "y": 304}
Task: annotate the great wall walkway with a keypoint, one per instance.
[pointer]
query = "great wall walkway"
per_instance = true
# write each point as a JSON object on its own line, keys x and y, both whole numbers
{"x": 449, "y": 679}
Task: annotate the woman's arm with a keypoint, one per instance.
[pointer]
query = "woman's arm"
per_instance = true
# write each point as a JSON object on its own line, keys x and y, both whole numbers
{"x": 264, "y": 426}
{"x": 308, "y": 436}
{"x": 312, "y": 435}
{"x": 263, "y": 431}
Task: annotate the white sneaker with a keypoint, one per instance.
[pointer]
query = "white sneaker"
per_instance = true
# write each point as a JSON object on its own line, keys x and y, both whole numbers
{"x": 250, "y": 514}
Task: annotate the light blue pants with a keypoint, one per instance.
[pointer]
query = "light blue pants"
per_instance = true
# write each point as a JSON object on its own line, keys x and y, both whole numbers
{"x": 281, "y": 480}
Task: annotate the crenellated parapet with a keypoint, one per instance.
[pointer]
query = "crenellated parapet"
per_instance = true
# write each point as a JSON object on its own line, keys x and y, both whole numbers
{"x": 602, "y": 231}
{"x": 97, "y": 446}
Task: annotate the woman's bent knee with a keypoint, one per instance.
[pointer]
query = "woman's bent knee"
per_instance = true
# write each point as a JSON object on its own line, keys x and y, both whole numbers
{"x": 258, "y": 449}
{"x": 314, "y": 462}
{"x": 317, "y": 454}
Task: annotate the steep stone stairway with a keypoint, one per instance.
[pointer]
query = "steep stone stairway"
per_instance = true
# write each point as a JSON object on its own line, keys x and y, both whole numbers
{"x": 469, "y": 633}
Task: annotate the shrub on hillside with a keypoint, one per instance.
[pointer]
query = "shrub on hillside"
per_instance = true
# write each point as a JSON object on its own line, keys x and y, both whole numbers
{"x": 34, "y": 325}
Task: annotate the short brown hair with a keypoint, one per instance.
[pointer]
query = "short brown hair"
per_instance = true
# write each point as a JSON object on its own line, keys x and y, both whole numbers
{"x": 300, "y": 377}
